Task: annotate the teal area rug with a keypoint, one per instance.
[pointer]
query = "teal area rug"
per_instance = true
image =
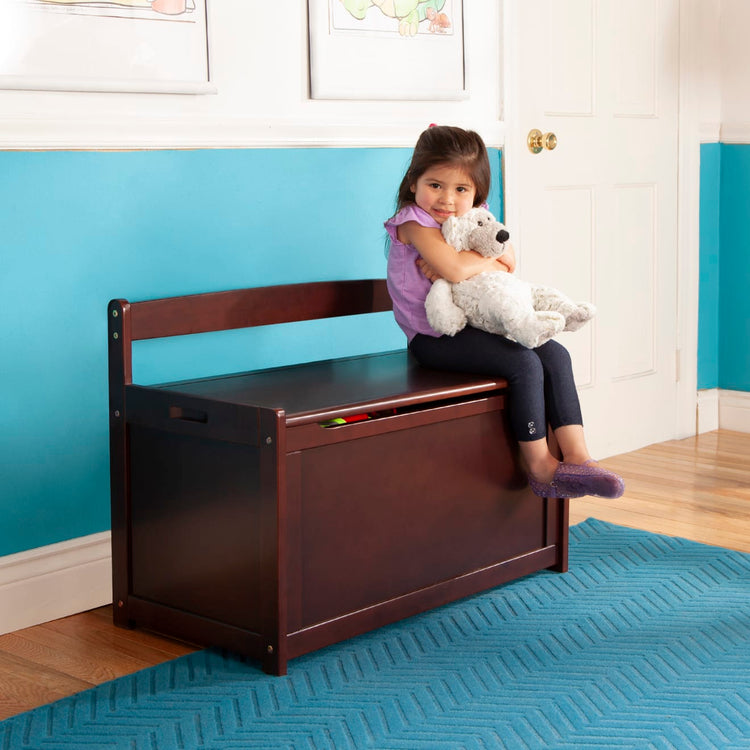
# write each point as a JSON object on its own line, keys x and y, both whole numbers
{"x": 645, "y": 643}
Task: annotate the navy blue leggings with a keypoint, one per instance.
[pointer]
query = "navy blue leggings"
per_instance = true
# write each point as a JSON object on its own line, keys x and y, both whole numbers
{"x": 541, "y": 382}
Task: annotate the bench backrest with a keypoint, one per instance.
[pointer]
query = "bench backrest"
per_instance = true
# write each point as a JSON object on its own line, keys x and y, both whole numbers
{"x": 238, "y": 308}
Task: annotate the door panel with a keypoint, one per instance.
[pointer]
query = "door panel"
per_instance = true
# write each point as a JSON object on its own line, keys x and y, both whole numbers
{"x": 570, "y": 67}
{"x": 568, "y": 212}
{"x": 633, "y": 264}
{"x": 635, "y": 76}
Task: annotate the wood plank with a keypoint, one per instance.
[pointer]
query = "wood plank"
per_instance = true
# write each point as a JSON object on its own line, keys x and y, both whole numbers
{"x": 24, "y": 685}
{"x": 51, "y": 661}
{"x": 96, "y": 627}
{"x": 84, "y": 658}
{"x": 697, "y": 488}
{"x": 244, "y": 308}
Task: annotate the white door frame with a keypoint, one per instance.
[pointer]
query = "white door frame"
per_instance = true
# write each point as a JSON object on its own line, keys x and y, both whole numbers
{"x": 688, "y": 220}
{"x": 688, "y": 195}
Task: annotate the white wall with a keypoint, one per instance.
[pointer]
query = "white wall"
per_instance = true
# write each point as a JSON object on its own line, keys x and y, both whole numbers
{"x": 734, "y": 29}
{"x": 258, "y": 61}
{"x": 702, "y": 66}
{"x": 717, "y": 67}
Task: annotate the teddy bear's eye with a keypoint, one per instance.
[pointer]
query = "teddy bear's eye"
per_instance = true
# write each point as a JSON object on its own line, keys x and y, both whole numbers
{"x": 480, "y": 223}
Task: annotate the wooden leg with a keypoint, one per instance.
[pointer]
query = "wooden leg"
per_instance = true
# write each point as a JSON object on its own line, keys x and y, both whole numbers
{"x": 560, "y": 523}
{"x": 274, "y": 662}
{"x": 560, "y": 516}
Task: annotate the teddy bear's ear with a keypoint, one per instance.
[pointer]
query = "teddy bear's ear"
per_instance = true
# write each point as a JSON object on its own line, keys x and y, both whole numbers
{"x": 450, "y": 231}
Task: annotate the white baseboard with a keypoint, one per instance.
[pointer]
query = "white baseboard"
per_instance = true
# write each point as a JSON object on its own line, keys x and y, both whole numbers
{"x": 720, "y": 409}
{"x": 55, "y": 581}
{"x": 734, "y": 411}
{"x": 707, "y": 419}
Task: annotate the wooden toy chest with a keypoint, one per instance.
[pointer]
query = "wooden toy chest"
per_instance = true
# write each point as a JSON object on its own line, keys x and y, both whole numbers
{"x": 242, "y": 518}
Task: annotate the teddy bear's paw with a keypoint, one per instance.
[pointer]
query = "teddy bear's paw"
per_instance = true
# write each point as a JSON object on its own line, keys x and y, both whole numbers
{"x": 447, "y": 319}
{"x": 450, "y": 322}
{"x": 443, "y": 314}
{"x": 546, "y": 325}
{"x": 582, "y": 314}
{"x": 550, "y": 318}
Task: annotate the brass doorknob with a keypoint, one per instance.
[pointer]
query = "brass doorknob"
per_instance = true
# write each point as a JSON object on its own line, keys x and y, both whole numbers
{"x": 536, "y": 141}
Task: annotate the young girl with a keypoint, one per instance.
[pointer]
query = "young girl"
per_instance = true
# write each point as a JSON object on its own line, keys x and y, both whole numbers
{"x": 449, "y": 174}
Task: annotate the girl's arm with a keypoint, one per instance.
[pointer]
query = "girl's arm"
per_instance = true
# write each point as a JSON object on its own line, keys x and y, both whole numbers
{"x": 443, "y": 259}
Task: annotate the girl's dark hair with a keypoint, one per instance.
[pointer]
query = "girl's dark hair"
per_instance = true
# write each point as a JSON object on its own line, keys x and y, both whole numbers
{"x": 443, "y": 144}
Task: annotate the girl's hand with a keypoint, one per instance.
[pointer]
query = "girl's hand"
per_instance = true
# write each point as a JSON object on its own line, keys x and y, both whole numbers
{"x": 427, "y": 269}
{"x": 508, "y": 258}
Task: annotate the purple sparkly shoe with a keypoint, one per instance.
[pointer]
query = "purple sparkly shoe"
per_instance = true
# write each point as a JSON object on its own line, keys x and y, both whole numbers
{"x": 577, "y": 480}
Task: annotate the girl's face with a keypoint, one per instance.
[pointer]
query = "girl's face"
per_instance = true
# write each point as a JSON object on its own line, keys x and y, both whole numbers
{"x": 443, "y": 191}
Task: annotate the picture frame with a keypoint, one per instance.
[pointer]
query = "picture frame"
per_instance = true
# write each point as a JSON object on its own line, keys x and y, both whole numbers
{"x": 149, "y": 46}
{"x": 358, "y": 51}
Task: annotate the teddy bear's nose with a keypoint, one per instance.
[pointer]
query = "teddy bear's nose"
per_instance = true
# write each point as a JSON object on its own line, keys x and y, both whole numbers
{"x": 502, "y": 236}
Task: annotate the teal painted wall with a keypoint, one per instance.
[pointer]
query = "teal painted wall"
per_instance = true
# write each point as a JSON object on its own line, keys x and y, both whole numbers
{"x": 708, "y": 310}
{"x": 79, "y": 228}
{"x": 724, "y": 311}
{"x": 734, "y": 271}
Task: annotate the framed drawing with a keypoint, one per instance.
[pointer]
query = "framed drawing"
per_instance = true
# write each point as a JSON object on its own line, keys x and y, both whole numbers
{"x": 106, "y": 45}
{"x": 369, "y": 49}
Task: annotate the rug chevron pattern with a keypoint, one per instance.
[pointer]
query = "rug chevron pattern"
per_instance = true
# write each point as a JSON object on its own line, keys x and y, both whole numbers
{"x": 645, "y": 643}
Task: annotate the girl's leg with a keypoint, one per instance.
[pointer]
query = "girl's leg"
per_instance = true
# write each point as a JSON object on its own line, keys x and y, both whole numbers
{"x": 472, "y": 350}
{"x": 542, "y": 387}
{"x": 572, "y": 442}
{"x": 563, "y": 406}
{"x": 540, "y": 464}
{"x": 577, "y": 475}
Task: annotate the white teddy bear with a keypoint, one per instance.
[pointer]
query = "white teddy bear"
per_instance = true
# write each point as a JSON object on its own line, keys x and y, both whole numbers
{"x": 498, "y": 302}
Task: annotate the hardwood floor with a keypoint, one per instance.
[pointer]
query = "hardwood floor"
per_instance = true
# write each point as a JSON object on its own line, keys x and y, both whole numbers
{"x": 47, "y": 662}
{"x": 697, "y": 488}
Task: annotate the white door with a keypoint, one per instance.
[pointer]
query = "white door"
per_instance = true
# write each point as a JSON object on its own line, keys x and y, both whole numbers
{"x": 597, "y": 216}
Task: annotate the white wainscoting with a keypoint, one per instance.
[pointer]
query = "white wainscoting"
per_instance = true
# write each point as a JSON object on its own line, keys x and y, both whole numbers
{"x": 55, "y": 581}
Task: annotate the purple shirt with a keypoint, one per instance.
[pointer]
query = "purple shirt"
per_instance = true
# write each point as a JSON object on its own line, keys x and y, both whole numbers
{"x": 407, "y": 285}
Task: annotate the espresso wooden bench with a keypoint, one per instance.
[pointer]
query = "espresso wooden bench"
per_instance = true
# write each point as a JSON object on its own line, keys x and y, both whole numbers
{"x": 278, "y": 511}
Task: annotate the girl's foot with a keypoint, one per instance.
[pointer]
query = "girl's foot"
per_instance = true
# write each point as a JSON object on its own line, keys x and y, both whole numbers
{"x": 577, "y": 480}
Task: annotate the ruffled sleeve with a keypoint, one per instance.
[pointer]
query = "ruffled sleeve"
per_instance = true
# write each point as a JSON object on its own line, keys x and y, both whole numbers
{"x": 409, "y": 213}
